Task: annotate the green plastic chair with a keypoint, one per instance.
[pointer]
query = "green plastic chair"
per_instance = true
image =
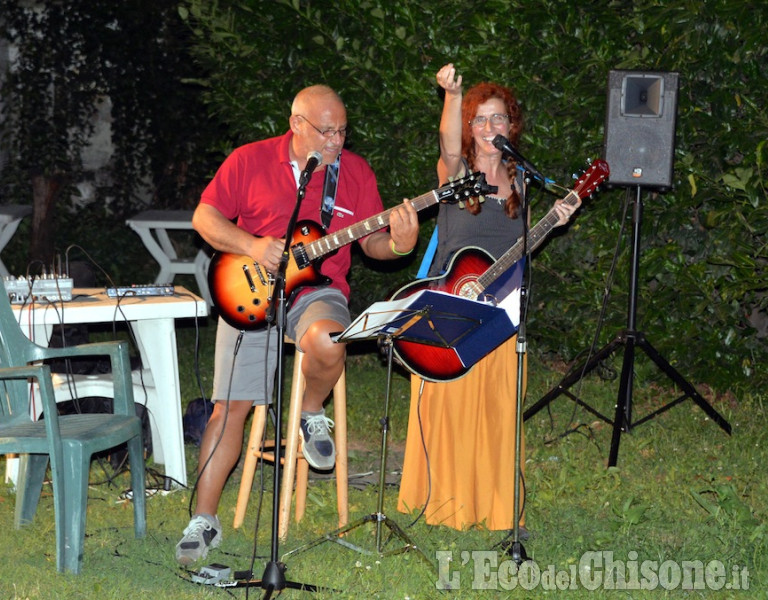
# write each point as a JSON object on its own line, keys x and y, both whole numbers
{"x": 68, "y": 441}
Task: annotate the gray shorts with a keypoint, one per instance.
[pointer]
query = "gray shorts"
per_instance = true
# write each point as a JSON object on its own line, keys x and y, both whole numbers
{"x": 248, "y": 372}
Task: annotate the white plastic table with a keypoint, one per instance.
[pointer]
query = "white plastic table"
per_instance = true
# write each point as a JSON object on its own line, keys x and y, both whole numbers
{"x": 10, "y": 217}
{"x": 152, "y": 320}
{"x": 153, "y": 226}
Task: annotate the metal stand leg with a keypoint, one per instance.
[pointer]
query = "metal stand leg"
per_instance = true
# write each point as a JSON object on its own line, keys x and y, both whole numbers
{"x": 629, "y": 339}
{"x": 379, "y": 518}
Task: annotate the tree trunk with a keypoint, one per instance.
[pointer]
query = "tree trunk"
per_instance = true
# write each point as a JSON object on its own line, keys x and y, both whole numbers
{"x": 45, "y": 192}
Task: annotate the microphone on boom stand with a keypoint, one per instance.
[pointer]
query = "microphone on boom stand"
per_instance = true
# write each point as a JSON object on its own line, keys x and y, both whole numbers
{"x": 514, "y": 547}
{"x": 273, "y": 578}
{"x": 510, "y": 151}
{"x": 314, "y": 158}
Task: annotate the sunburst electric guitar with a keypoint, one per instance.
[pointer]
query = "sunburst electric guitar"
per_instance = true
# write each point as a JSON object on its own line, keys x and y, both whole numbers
{"x": 471, "y": 274}
{"x": 242, "y": 289}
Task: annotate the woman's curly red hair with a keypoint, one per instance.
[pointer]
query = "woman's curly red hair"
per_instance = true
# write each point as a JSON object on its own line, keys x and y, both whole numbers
{"x": 474, "y": 97}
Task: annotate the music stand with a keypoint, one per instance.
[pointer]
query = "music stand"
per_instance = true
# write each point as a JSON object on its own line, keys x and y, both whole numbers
{"x": 431, "y": 318}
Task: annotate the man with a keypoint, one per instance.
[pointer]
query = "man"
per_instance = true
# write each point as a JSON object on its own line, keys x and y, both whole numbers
{"x": 257, "y": 185}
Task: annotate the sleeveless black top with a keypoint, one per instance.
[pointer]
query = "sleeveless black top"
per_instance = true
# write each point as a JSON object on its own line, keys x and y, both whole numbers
{"x": 491, "y": 229}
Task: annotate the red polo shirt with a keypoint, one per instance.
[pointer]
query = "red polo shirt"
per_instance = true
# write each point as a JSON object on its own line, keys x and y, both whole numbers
{"x": 256, "y": 185}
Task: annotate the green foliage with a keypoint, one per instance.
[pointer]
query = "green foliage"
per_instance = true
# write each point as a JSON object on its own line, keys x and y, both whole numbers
{"x": 630, "y": 514}
{"x": 71, "y": 60}
{"x": 724, "y": 504}
{"x": 702, "y": 289}
{"x": 50, "y": 96}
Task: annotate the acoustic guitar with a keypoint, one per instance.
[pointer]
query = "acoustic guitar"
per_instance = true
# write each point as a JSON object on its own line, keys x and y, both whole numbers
{"x": 471, "y": 273}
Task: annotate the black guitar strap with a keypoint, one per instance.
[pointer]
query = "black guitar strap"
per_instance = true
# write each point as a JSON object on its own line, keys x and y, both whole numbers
{"x": 329, "y": 192}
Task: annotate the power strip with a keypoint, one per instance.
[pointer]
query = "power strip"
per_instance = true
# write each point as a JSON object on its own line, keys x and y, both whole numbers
{"x": 145, "y": 289}
{"x": 48, "y": 288}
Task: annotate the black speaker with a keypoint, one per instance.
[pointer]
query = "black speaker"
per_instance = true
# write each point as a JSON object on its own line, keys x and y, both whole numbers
{"x": 640, "y": 128}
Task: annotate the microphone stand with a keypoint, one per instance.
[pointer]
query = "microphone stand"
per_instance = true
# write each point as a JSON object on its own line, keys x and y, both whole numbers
{"x": 274, "y": 572}
{"x": 515, "y": 547}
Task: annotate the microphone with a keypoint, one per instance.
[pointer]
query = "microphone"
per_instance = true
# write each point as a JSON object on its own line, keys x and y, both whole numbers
{"x": 314, "y": 158}
{"x": 508, "y": 149}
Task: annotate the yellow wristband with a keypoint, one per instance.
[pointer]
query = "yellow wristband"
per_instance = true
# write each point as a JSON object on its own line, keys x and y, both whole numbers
{"x": 392, "y": 245}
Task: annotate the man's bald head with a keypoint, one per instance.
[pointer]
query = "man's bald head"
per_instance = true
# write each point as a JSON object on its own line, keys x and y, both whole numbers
{"x": 316, "y": 110}
{"x": 314, "y": 96}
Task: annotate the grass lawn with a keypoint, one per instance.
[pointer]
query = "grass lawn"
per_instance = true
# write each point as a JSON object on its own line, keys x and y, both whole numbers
{"x": 682, "y": 514}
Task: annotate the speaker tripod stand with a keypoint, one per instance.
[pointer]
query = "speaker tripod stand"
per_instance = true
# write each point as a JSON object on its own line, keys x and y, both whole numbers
{"x": 630, "y": 339}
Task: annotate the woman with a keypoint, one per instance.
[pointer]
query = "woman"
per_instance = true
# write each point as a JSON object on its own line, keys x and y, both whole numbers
{"x": 463, "y": 431}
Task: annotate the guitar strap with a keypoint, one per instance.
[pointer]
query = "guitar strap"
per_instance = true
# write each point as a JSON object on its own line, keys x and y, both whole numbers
{"x": 329, "y": 192}
{"x": 429, "y": 255}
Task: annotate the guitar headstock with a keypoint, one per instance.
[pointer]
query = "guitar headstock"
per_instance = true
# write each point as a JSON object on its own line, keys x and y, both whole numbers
{"x": 589, "y": 181}
{"x": 469, "y": 186}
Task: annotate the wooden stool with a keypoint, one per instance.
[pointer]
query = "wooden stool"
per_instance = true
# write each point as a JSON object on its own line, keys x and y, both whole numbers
{"x": 294, "y": 462}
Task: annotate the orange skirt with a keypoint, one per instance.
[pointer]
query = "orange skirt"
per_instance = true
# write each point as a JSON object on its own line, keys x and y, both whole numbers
{"x": 468, "y": 429}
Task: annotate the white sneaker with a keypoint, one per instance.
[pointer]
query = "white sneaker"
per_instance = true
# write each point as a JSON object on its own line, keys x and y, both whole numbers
{"x": 202, "y": 533}
{"x": 317, "y": 444}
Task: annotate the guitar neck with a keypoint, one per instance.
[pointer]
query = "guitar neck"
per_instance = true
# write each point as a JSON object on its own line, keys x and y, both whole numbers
{"x": 536, "y": 236}
{"x": 337, "y": 239}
